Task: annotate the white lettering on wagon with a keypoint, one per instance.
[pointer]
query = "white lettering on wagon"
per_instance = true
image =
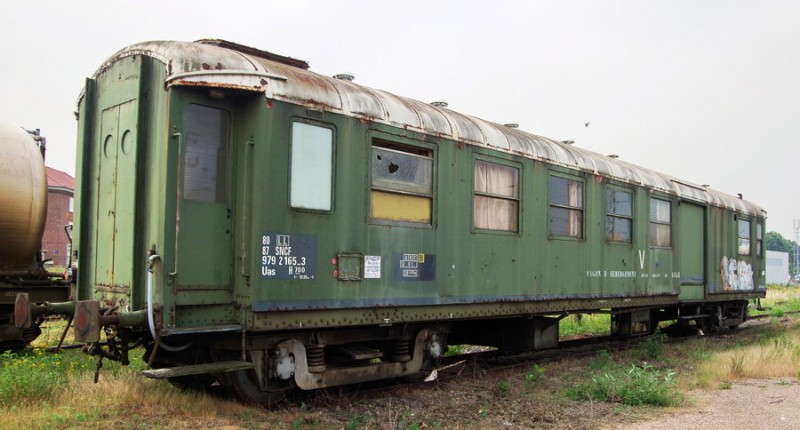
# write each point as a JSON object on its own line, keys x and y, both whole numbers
{"x": 630, "y": 274}
{"x": 288, "y": 256}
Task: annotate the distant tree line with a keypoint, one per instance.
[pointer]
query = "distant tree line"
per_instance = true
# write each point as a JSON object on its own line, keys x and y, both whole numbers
{"x": 776, "y": 242}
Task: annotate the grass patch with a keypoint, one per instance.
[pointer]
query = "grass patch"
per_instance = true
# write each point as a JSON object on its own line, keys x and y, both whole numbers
{"x": 652, "y": 348}
{"x": 779, "y": 301}
{"x": 773, "y": 354}
{"x": 634, "y": 385}
{"x": 584, "y": 325}
{"x": 605, "y": 391}
{"x": 57, "y": 391}
{"x": 35, "y": 376}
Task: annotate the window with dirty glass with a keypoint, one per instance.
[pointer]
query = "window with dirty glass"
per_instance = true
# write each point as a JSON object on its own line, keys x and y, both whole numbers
{"x": 496, "y": 198}
{"x": 619, "y": 215}
{"x": 759, "y": 239}
{"x": 402, "y": 183}
{"x": 311, "y": 167}
{"x": 205, "y": 158}
{"x": 744, "y": 237}
{"x": 566, "y": 207}
{"x": 660, "y": 223}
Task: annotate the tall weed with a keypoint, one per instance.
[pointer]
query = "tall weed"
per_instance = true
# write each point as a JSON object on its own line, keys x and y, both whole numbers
{"x": 37, "y": 376}
{"x": 633, "y": 386}
{"x": 652, "y": 348}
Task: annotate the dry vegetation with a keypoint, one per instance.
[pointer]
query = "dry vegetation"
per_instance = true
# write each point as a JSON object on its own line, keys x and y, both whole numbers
{"x": 467, "y": 397}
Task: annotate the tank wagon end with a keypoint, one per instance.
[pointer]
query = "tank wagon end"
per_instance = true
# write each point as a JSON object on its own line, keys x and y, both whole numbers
{"x": 23, "y": 210}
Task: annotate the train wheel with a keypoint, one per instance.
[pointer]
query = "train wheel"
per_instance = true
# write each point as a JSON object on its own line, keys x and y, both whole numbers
{"x": 193, "y": 382}
{"x": 17, "y": 339}
{"x": 703, "y": 324}
{"x": 242, "y": 384}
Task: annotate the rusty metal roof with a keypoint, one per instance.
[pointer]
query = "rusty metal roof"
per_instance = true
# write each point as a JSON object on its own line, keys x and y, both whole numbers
{"x": 217, "y": 63}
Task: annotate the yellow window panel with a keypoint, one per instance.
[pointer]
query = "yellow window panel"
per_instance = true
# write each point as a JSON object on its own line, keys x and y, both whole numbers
{"x": 400, "y": 207}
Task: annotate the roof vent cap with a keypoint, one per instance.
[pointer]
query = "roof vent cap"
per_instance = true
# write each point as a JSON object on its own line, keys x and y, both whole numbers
{"x": 511, "y": 125}
{"x": 345, "y": 76}
{"x": 439, "y": 103}
{"x": 614, "y": 156}
{"x": 568, "y": 142}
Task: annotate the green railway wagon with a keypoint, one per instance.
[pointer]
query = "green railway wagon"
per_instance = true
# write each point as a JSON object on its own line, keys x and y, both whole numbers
{"x": 256, "y": 223}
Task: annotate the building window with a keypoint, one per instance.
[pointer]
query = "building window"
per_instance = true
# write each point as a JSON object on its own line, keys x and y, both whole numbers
{"x": 496, "y": 200}
{"x": 312, "y": 167}
{"x": 744, "y": 237}
{"x": 566, "y": 207}
{"x": 205, "y": 165}
{"x": 619, "y": 215}
{"x": 402, "y": 183}
{"x": 660, "y": 223}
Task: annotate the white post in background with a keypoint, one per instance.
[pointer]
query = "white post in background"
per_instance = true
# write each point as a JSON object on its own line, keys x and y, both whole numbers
{"x": 796, "y": 246}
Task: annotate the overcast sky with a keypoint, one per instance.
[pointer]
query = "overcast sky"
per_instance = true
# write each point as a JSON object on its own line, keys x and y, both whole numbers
{"x": 708, "y": 91}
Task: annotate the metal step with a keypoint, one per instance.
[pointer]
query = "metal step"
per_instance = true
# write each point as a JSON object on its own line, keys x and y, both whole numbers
{"x": 219, "y": 328}
{"x": 357, "y": 352}
{"x": 197, "y": 369}
{"x": 693, "y": 317}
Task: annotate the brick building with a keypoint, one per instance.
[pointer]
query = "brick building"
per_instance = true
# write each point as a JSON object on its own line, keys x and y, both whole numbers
{"x": 60, "y": 193}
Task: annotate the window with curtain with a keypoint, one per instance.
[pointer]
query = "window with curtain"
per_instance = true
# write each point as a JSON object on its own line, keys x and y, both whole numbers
{"x": 660, "y": 223}
{"x": 402, "y": 183}
{"x": 496, "y": 197}
{"x": 744, "y": 237}
{"x": 619, "y": 215}
{"x": 566, "y": 207}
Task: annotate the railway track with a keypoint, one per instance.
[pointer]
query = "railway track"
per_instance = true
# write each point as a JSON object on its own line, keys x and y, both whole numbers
{"x": 450, "y": 368}
{"x": 494, "y": 361}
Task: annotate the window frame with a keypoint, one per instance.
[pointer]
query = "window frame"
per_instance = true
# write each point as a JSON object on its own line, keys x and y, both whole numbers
{"x": 290, "y": 182}
{"x": 614, "y": 215}
{"x": 411, "y": 147}
{"x": 759, "y": 239}
{"x": 740, "y": 240}
{"x": 579, "y": 209}
{"x": 479, "y": 158}
{"x": 657, "y": 222}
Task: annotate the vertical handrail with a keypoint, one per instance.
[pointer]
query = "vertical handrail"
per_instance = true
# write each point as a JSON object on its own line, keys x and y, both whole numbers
{"x": 245, "y": 198}
{"x": 178, "y": 194}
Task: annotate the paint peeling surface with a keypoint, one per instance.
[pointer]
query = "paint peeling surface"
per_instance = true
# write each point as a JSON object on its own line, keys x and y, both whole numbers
{"x": 217, "y": 64}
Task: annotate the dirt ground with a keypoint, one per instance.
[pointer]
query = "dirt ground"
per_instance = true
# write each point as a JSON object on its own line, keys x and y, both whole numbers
{"x": 749, "y": 404}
